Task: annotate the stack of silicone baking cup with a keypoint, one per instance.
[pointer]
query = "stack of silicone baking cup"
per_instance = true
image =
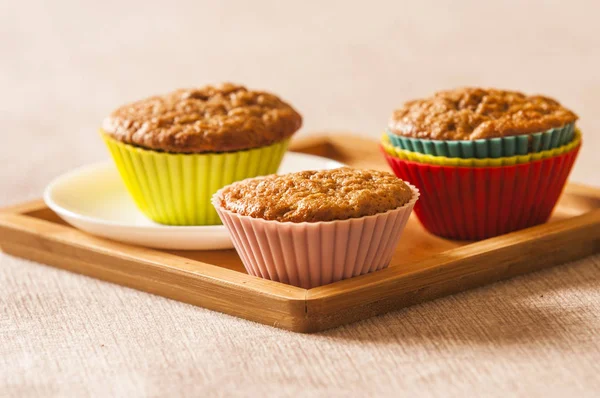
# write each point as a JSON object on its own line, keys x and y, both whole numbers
{"x": 474, "y": 190}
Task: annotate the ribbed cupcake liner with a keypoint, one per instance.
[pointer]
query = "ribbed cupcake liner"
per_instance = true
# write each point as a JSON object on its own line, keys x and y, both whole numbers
{"x": 477, "y": 203}
{"x": 176, "y": 189}
{"x": 474, "y": 162}
{"x": 488, "y": 147}
{"x": 314, "y": 254}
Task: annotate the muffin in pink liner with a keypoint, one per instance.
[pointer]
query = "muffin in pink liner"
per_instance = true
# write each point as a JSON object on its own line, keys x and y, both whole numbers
{"x": 313, "y": 228}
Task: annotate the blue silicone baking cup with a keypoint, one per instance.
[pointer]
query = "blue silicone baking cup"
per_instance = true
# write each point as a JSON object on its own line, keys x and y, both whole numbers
{"x": 488, "y": 147}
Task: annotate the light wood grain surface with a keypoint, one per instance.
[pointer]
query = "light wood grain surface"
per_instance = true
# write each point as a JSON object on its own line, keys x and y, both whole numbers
{"x": 345, "y": 65}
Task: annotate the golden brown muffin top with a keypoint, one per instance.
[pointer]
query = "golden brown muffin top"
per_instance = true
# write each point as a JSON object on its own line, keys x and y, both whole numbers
{"x": 312, "y": 196}
{"x": 474, "y": 113}
{"x": 208, "y": 119}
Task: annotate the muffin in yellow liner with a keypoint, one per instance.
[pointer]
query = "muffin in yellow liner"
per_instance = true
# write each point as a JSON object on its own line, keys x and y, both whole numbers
{"x": 474, "y": 162}
{"x": 175, "y": 151}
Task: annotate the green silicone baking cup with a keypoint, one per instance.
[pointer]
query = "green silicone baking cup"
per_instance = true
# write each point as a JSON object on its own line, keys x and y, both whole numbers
{"x": 488, "y": 147}
{"x": 176, "y": 189}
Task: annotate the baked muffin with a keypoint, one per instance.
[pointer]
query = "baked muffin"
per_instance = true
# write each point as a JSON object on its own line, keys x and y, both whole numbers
{"x": 176, "y": 150}
{"x": 477, "y": 122}
{"x": 479, "y": 158}
{"x": 316, "y": 227}
{"x": 224, "y": 118}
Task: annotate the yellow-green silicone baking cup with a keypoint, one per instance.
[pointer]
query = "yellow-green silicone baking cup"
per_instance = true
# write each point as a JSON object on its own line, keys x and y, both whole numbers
{"x": 176, "y": 189}
{"x": 474, "y": 162}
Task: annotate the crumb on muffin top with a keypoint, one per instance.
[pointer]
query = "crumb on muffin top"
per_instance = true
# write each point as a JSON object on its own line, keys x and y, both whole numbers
{"x": 220, "y": 118}
{"x": 312, "y": 196}
{"x": 474, "y": 113}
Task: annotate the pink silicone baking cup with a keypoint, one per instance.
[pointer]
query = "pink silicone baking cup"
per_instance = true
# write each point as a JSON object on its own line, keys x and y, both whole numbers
{"x": 311, "y": 254}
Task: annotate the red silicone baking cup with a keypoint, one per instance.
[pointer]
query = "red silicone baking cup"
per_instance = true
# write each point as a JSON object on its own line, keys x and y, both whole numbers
{"x": 472, "y": 203}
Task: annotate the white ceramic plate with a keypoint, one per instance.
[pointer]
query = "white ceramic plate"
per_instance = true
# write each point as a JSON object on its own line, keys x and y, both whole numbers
{"x": 93, "y": 198}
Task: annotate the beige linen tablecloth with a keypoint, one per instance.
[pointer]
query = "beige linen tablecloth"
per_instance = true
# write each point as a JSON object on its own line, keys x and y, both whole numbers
{"x": 65, "y": 64}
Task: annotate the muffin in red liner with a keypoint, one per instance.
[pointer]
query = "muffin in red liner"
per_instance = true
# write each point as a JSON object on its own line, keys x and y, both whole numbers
{"x": 472, "y": 203}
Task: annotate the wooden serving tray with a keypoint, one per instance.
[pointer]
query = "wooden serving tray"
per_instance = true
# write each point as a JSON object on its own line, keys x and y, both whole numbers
{"x": 424, "y": 266}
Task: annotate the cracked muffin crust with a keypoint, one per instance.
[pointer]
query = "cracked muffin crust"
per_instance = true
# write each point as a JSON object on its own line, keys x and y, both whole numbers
{"x": 475, "y": 113}
{"x": 312, "y": 196}
{"x": 220, "y": 118}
